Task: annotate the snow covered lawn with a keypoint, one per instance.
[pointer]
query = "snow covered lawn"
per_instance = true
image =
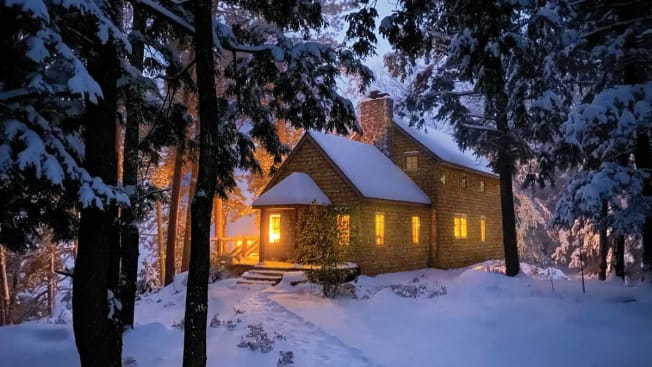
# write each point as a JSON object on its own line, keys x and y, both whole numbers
{"x": 459, "y": 318}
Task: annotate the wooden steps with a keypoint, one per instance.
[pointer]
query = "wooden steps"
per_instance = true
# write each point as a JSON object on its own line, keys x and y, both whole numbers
{"x": 261, "y": 277}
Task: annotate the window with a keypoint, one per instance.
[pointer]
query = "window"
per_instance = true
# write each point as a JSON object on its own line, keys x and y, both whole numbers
{"x": 442, "y": 179}
{"x": 411, "y": 162}
{"x": 483, "y": 229}
{"x": 481, "y": 185}
{"x": 464, "y": 181}
{"x": 416, "y": 229}
{"x": 274, "y": 228}
{"x": 344, "y": 228}
{"x": 380, "y": 229}
{"x": 460, "y": 226}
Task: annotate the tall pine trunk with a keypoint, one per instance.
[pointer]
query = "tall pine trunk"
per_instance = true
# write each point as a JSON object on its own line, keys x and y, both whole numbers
{"x": 619, "y": 254}
{"x": 170, "y": 249}
{"x": 619, "y": 248}
{"x": 603, "y": 243}
{"x": 505, "y": 167}
{"x": 161, "y": 243}
{"x": 5, "y": 316}
{"x": 52, "y": 281}
{"x": 194, "y": 347}
{"x": 130, "y": 235}
{"x": 98, "y": 334}
{"x": 218, "y": 209}
{"x": 185, "y": 260}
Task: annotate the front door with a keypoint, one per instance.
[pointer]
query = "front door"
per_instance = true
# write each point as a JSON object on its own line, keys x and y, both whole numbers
{"x": 279, "y": 244}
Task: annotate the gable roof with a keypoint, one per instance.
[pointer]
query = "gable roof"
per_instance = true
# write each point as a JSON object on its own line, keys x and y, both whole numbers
{"x": 373, "y": 174}
{"x": 443, "y": 146}
{"x": 296, "y": 189}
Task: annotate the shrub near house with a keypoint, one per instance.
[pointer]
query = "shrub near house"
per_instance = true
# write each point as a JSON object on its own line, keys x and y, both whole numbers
{"x": 413, "y": 199}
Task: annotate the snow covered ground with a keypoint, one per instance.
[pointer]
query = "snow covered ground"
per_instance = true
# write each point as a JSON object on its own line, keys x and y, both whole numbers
{"x": 465, "y": 317}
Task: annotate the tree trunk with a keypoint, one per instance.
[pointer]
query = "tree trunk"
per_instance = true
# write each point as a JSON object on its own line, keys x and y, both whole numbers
{"x": 161, "y": 243}
{"x": 52, "y": 282}
{"x": 619, "y": 254}
{"x": 187, "y": 236}
{"x": 98, "y": 337}
{"x": 130, "y": 235}
{"x": 604, "y": 244}
{"x": 172, "y": 219}
{"x": 619, "y": 248}
{"x": 218, "y": 210}
{"x": 194, "y": 347}
{"x": 643, "y": 155}
{"x": 505, "y": 167}
{"x": 5, "y": 317}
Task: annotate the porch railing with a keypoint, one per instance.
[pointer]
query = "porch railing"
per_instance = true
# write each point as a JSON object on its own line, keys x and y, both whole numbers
{"x": 237, "y": 247}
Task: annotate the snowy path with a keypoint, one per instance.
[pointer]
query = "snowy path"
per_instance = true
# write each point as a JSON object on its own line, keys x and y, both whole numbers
{"x": 311, "y": 345}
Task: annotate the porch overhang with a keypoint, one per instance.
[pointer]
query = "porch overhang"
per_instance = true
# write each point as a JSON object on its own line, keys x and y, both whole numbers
{"x": 296, "y": 190}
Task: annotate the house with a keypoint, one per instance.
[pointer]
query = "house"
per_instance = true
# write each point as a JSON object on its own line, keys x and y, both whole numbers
{"x": 414, "y": 199}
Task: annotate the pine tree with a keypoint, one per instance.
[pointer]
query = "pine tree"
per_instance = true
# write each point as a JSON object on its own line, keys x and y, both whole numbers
{"x": 602, "y": 134}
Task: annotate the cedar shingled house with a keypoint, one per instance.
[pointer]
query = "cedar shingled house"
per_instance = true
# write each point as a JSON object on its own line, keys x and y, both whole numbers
{"x": 414, "y": 198}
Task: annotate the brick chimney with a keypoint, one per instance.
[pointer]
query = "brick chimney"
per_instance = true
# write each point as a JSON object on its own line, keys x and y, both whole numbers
{"x": 376, "y": 113}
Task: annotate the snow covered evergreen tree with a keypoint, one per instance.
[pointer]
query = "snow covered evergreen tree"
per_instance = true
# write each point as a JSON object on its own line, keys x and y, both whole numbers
{"x": 606, "y": 54}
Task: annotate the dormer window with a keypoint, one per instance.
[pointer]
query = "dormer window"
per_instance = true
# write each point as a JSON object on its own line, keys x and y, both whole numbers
{"x": 411, "y": 163}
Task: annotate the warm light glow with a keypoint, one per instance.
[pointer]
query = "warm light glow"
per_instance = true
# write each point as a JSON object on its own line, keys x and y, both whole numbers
{"x": 274, "y": 228}
{"x": 344, "y": 228}
{"x": 460, "y": 226}
{"x": 238, "y": 243}
{"x": 380, "y": 228}
{"x": 416, "y": 229}
{"x": 483, "y": 229}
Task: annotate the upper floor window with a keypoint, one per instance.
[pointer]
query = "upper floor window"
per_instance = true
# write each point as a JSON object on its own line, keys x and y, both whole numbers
{"x": 411, "y": 162}
{"x": 416, "y": 229}
{"x": 481, "y": 185}
{"x": 442, "y": 179}
{"x": 274, "y": 228}
{"x": 483, "y": 229}
{"x": 464, "y": 181}
{"x": 380, "y": 229}
{"x": 344, "y": 228}
{"x": 460, "y": 226}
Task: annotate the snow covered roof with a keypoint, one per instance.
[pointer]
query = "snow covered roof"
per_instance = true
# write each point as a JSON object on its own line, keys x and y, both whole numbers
{"x": 369, "y": 170}
{"x": 296, "y": 189}
{"x": 443, "y": 146}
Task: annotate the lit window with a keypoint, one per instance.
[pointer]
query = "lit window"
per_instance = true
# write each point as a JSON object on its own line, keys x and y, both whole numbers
{"x": 411, "y": 162}
{"x": 274, "y": 228}
{"x": 481, "y": 185}
{"x": 483, "y": 229}
{"x": 464, "y": 181}
{"x": 442, "y": 179}
{"x": 380, "y": 228}
{"x": 344, "y": 228}
{"x": 416, "y": 229}
{"x": 460, "y": 226}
